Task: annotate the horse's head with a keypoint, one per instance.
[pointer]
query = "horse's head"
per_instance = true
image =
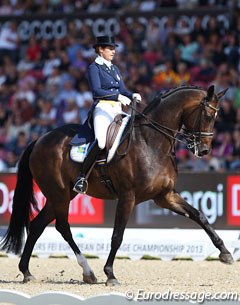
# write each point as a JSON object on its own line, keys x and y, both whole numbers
{"x": 199, "y": 122}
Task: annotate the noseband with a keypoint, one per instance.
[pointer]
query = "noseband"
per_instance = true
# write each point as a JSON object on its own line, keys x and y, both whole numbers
{"x": 193, "y": 138}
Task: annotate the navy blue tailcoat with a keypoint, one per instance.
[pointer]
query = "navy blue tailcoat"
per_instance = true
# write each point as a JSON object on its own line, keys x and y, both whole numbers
{"x": 106, "y": 83}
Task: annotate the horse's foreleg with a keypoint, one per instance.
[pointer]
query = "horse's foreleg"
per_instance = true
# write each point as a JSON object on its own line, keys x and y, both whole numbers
{"x": 123, "y": 212}
{"x": 174, "y": 202}
{"x": 63, "y": 227}
{"x": 36, "y": 228}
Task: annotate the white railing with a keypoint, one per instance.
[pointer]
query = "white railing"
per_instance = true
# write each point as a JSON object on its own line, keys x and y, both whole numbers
{"x": 59, "y": 298}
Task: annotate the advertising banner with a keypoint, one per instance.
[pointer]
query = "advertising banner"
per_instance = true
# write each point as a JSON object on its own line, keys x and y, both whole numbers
{"x": 151, "y": 230}
{"x": 217, "y": 195}
{"x": 84, "y": 210}
{"x": 56, "y": 26}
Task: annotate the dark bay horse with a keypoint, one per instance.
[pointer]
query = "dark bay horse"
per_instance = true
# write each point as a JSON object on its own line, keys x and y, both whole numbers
{"x": 148, "y": 171}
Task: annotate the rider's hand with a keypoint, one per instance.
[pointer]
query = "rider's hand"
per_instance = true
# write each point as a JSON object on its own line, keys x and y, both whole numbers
{"x": 124, "y": 99}
{"x": 137, "y": 97}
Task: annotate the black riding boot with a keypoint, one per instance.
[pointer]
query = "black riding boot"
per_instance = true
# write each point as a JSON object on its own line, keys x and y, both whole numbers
{"x": 81, "y": 184}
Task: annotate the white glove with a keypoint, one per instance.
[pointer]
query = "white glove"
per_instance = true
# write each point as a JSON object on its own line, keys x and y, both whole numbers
{"x": 124, "y": 99}
{"x": 137, "y": 97}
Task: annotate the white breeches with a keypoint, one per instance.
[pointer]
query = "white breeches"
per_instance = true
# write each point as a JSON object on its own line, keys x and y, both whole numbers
{"x": 103, "y": 116}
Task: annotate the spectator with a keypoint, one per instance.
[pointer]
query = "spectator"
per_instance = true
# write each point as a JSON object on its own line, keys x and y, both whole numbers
{"x": 64, "y": 61}
{"x": 18, "y": 145}
{"x": 9, "y": 41}
{"x": 182, "y": 76}
{"x": 152, "y": 35}
{"x": 33, "y": 50}
{"x": 225, "y": 147}
{"x": 226, "y": 116}
{"x": 16, "y": 125}
{"x": 49, "y": 64}
{"x": 84, "y": 100}
{"x": 68, "y": 90}
{"x": 95, "y": 6}
{"x": 188, "y": 49}
{"x": 147, "y": 5}
{"x": 10, "y": 161}
{"x": 71, "y": 112}
{"x": 164, "y": 76}
{"x": 234, "y": 159}
{"x": 47, "y": 116}
{"x": 231, "y": 50}
{"x": 5, "y": 8}
{"x": 72, "y": 49}
{"x": 5, "y": 115}
{"x": 80, "y": 63}
{"x": 137, "y": 33}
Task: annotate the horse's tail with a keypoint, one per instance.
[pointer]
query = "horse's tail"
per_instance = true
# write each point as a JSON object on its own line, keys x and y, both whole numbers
{"x": 23, "y": 199}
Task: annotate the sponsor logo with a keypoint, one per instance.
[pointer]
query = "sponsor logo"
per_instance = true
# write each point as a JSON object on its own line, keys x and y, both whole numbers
{"x": 82, "y": 210}
{"x": 209, "y": 202}
{"x": 233, "y": 200}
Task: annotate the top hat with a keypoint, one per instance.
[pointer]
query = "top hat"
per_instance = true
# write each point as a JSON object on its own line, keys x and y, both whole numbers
{"x": 105, "y": 41}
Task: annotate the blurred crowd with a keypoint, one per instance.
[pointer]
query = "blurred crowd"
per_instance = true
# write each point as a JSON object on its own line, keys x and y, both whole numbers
{"x": 43, "y": 82}
{"x": 19, "y": 7}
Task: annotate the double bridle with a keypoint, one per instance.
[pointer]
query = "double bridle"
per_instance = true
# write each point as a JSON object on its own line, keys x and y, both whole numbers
{"x": 192, "y": 138}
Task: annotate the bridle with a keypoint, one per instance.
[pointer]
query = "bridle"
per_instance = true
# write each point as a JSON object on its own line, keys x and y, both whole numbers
{"x": 194, "y": 137}
{"x": 191, "y": 138}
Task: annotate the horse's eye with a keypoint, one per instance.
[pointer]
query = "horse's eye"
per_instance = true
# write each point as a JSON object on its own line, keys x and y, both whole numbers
{"x": 209, "y": 116}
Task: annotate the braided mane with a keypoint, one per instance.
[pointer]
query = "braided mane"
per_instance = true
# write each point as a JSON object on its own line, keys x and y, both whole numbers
{"x": 162, "y": 95}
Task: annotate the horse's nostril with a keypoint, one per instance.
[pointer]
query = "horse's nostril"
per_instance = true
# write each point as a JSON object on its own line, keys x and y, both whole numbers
{"x": 204, "y": 151}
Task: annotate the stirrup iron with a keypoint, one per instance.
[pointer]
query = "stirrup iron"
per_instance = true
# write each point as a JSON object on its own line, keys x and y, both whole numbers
{"x": 81, "y": 185}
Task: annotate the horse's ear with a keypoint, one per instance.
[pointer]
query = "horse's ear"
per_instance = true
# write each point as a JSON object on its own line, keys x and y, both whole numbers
{"x": 222, "y": 93}
{"x": 210, "y": 92}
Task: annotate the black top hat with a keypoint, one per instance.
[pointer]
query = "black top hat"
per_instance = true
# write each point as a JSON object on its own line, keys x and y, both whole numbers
{"x": 105, "y": 41}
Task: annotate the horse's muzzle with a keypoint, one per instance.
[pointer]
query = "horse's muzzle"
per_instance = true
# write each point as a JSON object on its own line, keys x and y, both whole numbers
{"x": 203, "y": 149}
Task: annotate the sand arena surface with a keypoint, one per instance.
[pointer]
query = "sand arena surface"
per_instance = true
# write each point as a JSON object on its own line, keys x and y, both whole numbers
{"x": 63, "y": 274}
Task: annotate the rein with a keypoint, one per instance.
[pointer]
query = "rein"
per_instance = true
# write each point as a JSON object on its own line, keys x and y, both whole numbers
{"x": 160, "y": 127}
{"x": 129, "y": 133}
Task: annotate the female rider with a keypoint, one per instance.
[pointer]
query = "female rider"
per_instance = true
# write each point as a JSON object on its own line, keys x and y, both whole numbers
{"x": 109, "y": 94}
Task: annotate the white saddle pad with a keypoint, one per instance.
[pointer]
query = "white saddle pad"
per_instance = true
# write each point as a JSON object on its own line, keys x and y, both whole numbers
{"x": 78, "y": 153}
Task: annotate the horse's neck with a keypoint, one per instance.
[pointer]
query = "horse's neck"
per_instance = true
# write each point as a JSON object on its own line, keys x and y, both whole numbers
{"x": 167, "y": 116}
{"x": 169, "y": 112}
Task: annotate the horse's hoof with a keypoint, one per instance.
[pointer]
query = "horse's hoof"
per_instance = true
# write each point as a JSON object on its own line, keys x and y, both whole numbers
{"x": 90, "y": 279}
{"x": 226, "y": 258}
{"x": 29, "y": 278}
{"x": 112, "y": 283}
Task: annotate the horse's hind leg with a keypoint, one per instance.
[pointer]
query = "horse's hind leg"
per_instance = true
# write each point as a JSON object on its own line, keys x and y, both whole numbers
{"x": 174, "y": 202}
{"x": 36, "y": 228}
{"x": 63, "y": 227}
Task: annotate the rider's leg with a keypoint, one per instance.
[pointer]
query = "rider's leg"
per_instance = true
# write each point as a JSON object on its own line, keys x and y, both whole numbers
{"x": 103, "y": 115}
{"x": 81, "y": 184}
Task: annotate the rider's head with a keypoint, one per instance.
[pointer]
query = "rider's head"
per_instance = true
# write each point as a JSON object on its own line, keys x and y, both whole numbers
{"x": 105, "y": 46}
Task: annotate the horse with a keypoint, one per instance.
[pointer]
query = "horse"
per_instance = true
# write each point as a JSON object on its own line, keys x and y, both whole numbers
{"x": 147, "y": 171}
